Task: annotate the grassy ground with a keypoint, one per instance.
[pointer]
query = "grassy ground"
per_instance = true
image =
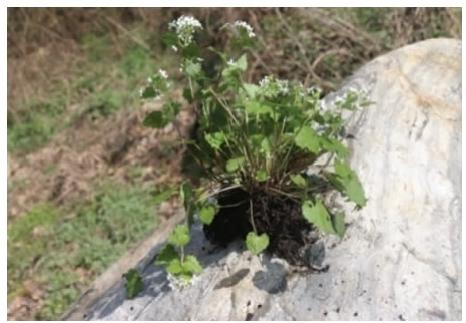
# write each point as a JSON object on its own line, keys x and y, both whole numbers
{"x": 83, "y": 172}
{"x": 53, "y": 254}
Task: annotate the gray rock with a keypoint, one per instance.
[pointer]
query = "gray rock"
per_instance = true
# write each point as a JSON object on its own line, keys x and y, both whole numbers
{"x": 401, "y": 256}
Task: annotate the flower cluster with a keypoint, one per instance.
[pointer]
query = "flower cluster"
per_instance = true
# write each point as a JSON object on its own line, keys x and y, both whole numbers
{"x": 272, "y": 87}
{"x": 246, "y": 27}
{"x": 185, "y": 27}
{"x": 156, "y": 85}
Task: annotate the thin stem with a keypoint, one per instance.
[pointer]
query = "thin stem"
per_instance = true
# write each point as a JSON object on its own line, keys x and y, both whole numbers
{"x": 182, "y": 254}
{"x": 252, "y": 216}
{"x": 223, "y": 190}
{"x": 233, "y": 205}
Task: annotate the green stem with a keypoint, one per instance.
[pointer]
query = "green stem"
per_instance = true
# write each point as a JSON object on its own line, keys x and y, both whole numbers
{"x": 252, "y": 216}
{"x": 182, "y": 254}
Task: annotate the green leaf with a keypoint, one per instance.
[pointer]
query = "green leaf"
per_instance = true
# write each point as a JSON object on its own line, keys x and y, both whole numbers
{"x": 155, "y": 119}
{"x": 308, "y": 139}
{"x": 186, "y": 269}
{"x": 262, "y": 176}
{"x": 355, "y": 191}
{"x": 187, "y": 95}
{"x": 251, "y": 89}
{"x": 192, "y": 69}
{"x": 149, "y": 92}
{"x": 215, "y": 140}
{"x": 167, "y": 254}
{"x": 187, "y": 199}
{"x": 266, "y": 146}
{"x": 255, "y": 107}
{"x": 174, "y": 267}
{"x": 207, "y": 213}
{"x": 191, "y": 51}
{"x": 334, "y": 145}
{"x": 318, "y": 215}
{"x": 171, "y": 108}
{"x": 339, "y": 224}
{"x": 299, "y": 180}
{"x": 343, "y": 170}
{"x": 347, "y": 182}
{"x": 180, "y": 236}
{"x": 191, "y": 265}
{"x": 134, "y": 284}
{"x": 257, "y": 243}
{"x": 242, "y": 62}
{"x": 170, "y": 38}
{"x": 164, "y": 195}
{"x": 186, "y": 192}
{"x": 234, "y": 164}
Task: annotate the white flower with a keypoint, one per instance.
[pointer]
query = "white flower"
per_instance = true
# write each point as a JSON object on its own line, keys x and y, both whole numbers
{"x": 149, "y": 79}
{"x": 272, "y": 87}
{"x": 244, "y": 25}
{"x": 283, "y": 86}
{"x": 185, "y": 27}
{"x": 231, "y": 62}
{"x": 313, "y": 89}
{"x": 265, "y": 81}
{"x": 163, "y": 73}
{"x": 175, "y": 49}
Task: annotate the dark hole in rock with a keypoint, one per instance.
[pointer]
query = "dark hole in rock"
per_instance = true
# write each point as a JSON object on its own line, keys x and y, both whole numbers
{"x": 259, "y": 305}
{"x": 249, "y": 303}
{"x": 234, "y": 279}
{"x": 273, "y": 280}
{"x": 355, "y": 314}
{"x": 280, "y": 217}
{"x": 337, "y": 310}
{"x": 249, "y": 316}
{"x": 401, "y": 318}
{"x": 325, "y": 313}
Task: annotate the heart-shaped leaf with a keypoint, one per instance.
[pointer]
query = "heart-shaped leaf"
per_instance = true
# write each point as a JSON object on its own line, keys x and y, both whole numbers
{"x": 167, "y": 254}
{"x": 191, "y": 265}
{"x": 257, "y": 243}
{"x": 262, "y": 176}
{"x": 299, "y": 180}
{"x": 180, "y": 236}
{"x": 216, "y": 139}
{"x": 207, "y": 213}
{"x": 174, "y": 267}
{"x": 234, "y": 164}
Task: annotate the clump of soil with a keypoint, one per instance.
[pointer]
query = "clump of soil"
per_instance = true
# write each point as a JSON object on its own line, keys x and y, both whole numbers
{"x": 280, "y": 217}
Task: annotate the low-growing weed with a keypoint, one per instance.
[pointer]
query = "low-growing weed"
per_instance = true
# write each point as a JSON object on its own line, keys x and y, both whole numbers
{"x": 256, "y": 141}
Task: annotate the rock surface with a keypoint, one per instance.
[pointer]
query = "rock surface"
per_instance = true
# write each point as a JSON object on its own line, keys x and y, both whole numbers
{"x": 401, "y": 256}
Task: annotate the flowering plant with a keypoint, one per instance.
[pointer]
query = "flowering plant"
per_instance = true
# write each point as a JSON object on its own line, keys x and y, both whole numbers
{"x": 259, "y": 139}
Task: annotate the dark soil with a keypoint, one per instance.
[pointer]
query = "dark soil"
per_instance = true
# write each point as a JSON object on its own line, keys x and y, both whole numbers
{"x": 278, "y": 216}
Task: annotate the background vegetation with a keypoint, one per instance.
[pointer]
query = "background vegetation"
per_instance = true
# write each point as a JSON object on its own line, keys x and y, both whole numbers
{"x": 83, "y": 173}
